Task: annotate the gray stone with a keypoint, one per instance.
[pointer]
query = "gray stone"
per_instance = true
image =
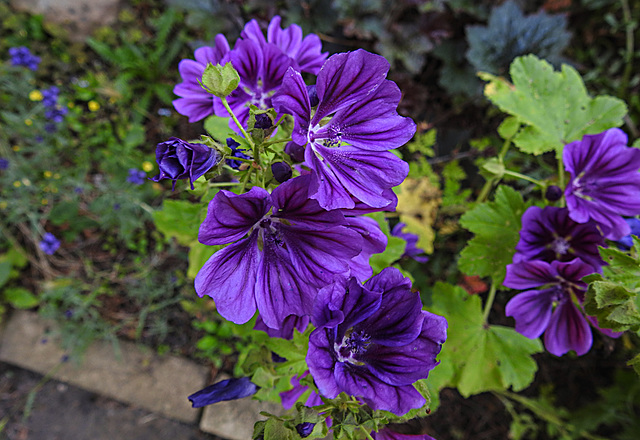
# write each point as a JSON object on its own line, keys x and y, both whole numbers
{"x": 234, "y": 419}
{"x": 79, "y": 17}
{"x": 138, "y": 376}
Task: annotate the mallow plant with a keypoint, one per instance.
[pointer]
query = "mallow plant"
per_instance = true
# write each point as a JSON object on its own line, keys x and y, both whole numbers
{"x": 295, "y": 179}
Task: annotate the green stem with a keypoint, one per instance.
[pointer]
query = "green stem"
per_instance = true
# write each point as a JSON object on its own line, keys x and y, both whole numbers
{"x": 523, "y": 177}
{"x": 366, "y": 432}
{"x": 235, "y": 119}
{"x": 489, "y": 303}
{"x": 488, "y": 185}
{"x": 277, "y": 141}
{"x": 215, "y": 184}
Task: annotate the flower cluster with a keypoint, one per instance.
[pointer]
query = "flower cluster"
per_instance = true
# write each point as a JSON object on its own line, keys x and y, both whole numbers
{"x": 559, "y": 246}
{"x": 21, "y": 56}
{"x": 49, "y": 243}
{"x": 54, "y": 112}
{"x": 306, "y": 162}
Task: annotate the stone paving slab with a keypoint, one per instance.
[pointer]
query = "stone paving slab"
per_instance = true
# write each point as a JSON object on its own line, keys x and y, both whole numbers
{"x": 141, "y": 377}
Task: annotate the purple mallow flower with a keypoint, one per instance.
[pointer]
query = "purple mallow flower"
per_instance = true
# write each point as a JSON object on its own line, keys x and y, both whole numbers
{"x": 388, "y": 434}
{"x": 348, "y": 153}
{"x": 194, "y": 101}
{"x": 550, "y": 234}
{"x": 230, "y": 389}
{"x": 290, "y": 397}
{"x": 410, "y": 250}
{"x": 137, "y": 177}
{"x": 565, "y": 327}
{"x": 178, "y": 159}
{"x": 290, "y": 323}
{"x": 21, "y": 56}
{"x": 285, "y": 247}
{"x": 605, "y": 183}
{"x": 49, "y": 243}
{"x": 374, "y": 341}
{"x": 626, "y": 242}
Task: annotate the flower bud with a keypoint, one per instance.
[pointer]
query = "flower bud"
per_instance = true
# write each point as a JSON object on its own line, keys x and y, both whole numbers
{"x": 295, "y": 152}
{"x": 553, "y": 193}
{"x": 178, "y": 159}
{"x": 281, "y": 171}
{"x": 305, "y": 429}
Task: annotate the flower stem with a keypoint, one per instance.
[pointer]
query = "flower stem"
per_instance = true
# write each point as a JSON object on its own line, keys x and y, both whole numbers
{"x": 235, "y": 119}
{"x": 523, "y": 177}
{"x": 489, "y": 303}
{"x": 561, "y": 179}
{"x": 488, "y": 185}
{"x": 366, "y": 433}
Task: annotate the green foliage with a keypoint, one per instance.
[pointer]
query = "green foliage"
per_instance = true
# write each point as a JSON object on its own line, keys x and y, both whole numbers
{"x": 553, "y": 106}
{"x": 510, "y": 34}
{"x": 496, "y": 226}
{"x": 179, "y": 219}
{"x": 480, "y": 357}
{"x": 394, "y": 250}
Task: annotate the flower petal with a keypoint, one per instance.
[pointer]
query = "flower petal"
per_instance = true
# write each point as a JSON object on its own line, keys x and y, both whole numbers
{"x": 230, "y": 389}
{"x": 568, "y": 330}
{"x": 532, "y": 311}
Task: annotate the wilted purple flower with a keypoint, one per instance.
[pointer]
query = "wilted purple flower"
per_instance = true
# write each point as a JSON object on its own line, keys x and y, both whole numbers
{"x": 4, "y": 163}
{"x": 178, "y": 159}
{"x": 293, "y": 248}
{"x": 410, "y": 250}
{"x": 387, "y": 434}
{"x": 348, "y": 154}
{"x": 137, "y": 177}
{"x": 290, "y": 397}
{"x": 230, "y": 389}
{"x": 626, "y": 242}
{"x": 49, "y": 243}
{"x": 605, "y": 183}
{"x": 374, "y": 341}
{"x": 194, "y": 101}
{"x": 50, "y": 96}
{"x": 21, "y": 56}
{"x": 550, "y": 234}
{"x": 235, "y": 152}
{"x": 305, "y": 53}
{"x": 565, "y": 328}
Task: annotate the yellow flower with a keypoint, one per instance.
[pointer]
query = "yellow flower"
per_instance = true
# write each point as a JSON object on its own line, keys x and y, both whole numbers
{"x": 93, "y": 106}
{"x": 35, "y": 95}
{"x": 17, "y": 184}
{"x": 48, "y": 174}
{"x": 44, "y": 201}
{"x": 26, "y": 182}
{"x": 15, "y": 148}
{"x": 56, "y": 176}
{"x": 28, "y": 122}
{"x": 147, "y": 166}
{"x": 3, "y": 205}
{"x": 71, "y": 104}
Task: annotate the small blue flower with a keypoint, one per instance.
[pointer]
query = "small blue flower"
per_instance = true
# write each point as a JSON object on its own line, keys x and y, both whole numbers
{"x": 21, "y": 56}
{"x": 230, "y": 389}
{"x": 49, "y": 243}
{"x": 137, "y": 177}
{"x": 626, "y": 242}
{"x": 4, "y": 163}
{"x": 50, "y": 97}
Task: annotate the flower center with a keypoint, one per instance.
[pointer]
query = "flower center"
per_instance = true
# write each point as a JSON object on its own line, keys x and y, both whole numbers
{"x": 560, "y": 246}
{"x": 269, "y": 233}
{"x": 583, "y": 187}
{"x": 353, "y": 344}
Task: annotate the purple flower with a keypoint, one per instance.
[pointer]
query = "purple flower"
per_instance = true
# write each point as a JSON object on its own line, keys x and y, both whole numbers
{"x": 305, "y": 53}
{"x": 565, "y": 328}
{"x": 21, "y": 56}
{"x": 550, "y": 234}
{"x": 626, "y": 242}
{"x": 235, "y": 152}
{"x": 178, "y": 160}
{"x": 410, "y": 250}
{"x": 137, "y": 177}
{"x": 293, "y": 248}
{"x": 194, "y": 101}
{"x": 305, "y": 429}
{"x": 56, "y": 114}
{"x": 290, "y": 323}
{"x": 605, "y": 183}
{"x": 230, "y": 389}
{"x": 374, "y": 242}
{"x": 348, "y": 154}
{"x": 289, "y": 398}
{"x": 374, "y": 341}
{"x": 387, "y": 434}
{"x": 50, "y": 97}
{"x": 4, "y": 163}
{"x": 49, "y": 243}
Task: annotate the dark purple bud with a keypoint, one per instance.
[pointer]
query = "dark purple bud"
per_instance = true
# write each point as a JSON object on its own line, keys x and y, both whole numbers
{"x": 178, "y": 160}
{"x": 263, "y": 121}
{"x": 68, "y": 313}
{"x": 305, "y": 429}
{"x": 230, "y": 389}
{"x": 277, "y": 359}
{"x": 281, "y": 171}
{"x": 553, "y": 193}
{"x": 313, "y": 95}
{"x": 295, "y": 152}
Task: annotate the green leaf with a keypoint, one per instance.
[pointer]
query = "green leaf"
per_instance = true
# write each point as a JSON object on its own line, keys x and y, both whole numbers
{"x": 274, "y": 429}
{"x": 179, "y": 219}
{"x": 20, "y": 298}
{"x": 613, "y": 305}
{"x": 482, "y": 357}
{"x": 554, "y": 105}
{"x": 5, "y": 271}
{"x": 198, "y": 255}
{"x": 220, "y": 80}
{"x": 509, "y": 127}
{"x": 395, "y": 245}
{"x": 635, "y": 363}
{"x": 496, "y": 226}
{"x": 217, "y": 127}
